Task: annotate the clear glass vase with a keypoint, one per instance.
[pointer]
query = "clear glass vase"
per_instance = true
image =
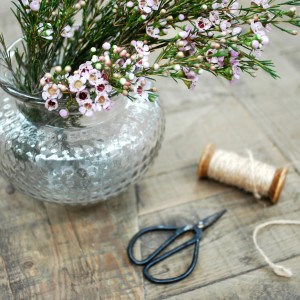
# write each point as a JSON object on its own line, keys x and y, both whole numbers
{"x": 81, "y": 160}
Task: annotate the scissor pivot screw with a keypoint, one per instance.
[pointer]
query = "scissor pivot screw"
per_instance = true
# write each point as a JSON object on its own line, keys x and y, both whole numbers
{"x": 200, "y": 225}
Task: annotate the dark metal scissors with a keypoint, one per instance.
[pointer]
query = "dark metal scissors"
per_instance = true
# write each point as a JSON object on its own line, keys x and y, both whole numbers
{"x": 154, "y": 259}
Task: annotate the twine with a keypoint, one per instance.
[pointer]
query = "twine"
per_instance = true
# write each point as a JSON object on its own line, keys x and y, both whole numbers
{"x": 277, "y": 269}
{"x": 246, "y": 173}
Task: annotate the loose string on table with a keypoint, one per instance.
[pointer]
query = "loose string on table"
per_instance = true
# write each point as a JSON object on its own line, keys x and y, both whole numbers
{"x": 277, "y": 269}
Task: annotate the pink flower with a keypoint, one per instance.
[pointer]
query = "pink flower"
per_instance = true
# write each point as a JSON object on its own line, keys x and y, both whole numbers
{"x": 265, "y": 40}
{"x": 45, "y": 80}
{"x": 51, "y": 91}
{"x": 153, "y": 32}
{"x": 87, "y": 108}
{"x": 214, "y": 59}
{"x": 77, "y": 83}
{"x": 35, "y": 5}
{"x": 51, "y": 104}
{"x": 129, "y": 63}
{"x": 268, "y": 27}
{"x": 214, "y": 17}
{"x": 67, "y": 32}
{"x": 263, "y": 3}
{"x": 94, "y": 75}
{"x": 85, "y": 69}
{"x": 148, "y": 5}
{"x": 225, "y": 25}
{"x": 236, "y": 72}
{"x": 102, "y": 85}
{"x": 108, "y": 105}
{"x": 216, "y": 5}
{"x": 141, "y": 89}
{"x": 188, "y": 42}
{"x": 257, "y": 28}
{"x": 101, "y": 101}
{"x": 234, "y": 53}
{"x": 257, "y": 53}
{"x": 236, "y": 30}
{"x": 144, "y": 6}
{"x": 191, "y": 75}
{"x": 143, "y": 63}
{"x": 82, "y": 96}
{"x": 154, "y": 4}
{"x": 141, "y": 48}
{"x": 203, "y": 24}
{"x": 234, "y": 8}
{"x": 184, "y": 34}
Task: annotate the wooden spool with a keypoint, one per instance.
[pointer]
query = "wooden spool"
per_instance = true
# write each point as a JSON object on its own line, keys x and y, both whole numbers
{"x": 275, "y": 188}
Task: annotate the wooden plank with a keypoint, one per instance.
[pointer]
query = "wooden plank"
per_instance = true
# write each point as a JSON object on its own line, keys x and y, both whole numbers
{"x": 52, "y": 252}
{"x": 55, "y": 252}
{"x": 275, "y": 104}
{"x": 227, "y": 249}
{"x": 257, "y": 284}
{"x": 173, "y": 179}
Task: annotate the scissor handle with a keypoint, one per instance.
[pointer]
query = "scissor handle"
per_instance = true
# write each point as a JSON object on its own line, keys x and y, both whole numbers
{"x": 191, "y": 268}
{"x": 158, "y": 250}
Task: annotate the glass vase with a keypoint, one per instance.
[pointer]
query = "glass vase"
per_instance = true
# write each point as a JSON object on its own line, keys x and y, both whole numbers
{"x": 80, "y": 160}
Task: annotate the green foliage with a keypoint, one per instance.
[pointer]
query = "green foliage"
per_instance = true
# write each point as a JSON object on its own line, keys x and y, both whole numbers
{"x": 112, "y": 21}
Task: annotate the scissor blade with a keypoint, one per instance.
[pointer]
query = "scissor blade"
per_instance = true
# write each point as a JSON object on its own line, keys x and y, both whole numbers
{"x": 207, "y": 222}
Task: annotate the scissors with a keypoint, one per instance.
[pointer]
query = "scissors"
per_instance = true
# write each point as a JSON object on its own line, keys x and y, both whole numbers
{"x": 154, "y": 259}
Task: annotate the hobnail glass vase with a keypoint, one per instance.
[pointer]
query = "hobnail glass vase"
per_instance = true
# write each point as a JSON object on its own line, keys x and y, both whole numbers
{"x": 81, "y": 160}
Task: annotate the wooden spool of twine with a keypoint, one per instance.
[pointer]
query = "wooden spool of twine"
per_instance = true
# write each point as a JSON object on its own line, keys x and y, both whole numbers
{"x": 245, "y": 173}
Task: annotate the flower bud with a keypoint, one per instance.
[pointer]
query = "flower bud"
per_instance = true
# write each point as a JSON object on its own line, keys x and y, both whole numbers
{"x": 177, "y": 68}
{"x": 255, "y": 44}
{"x": 58, "y": 69}
{"x": 180, "y": 54}
{"x": 156, "y": 67}
{"x": 106, "y": 46}
{"x": 130, "y": 4}
{"x": 68, "y": 69}
{"x": 43, "y": 82}
{"x": 64, "y": 113}
{"x": 123, "y": 81}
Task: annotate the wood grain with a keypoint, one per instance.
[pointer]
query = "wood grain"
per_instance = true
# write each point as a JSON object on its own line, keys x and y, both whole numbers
{"x": 53, "y": 252}
{"x": 227, "y": 249}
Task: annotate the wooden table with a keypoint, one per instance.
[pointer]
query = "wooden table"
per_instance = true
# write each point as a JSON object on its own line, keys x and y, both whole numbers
{"x": 55, "y": 252}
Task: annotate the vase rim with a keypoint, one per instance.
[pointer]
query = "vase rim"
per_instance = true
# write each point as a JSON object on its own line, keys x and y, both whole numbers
{"x": 11, "y": 89}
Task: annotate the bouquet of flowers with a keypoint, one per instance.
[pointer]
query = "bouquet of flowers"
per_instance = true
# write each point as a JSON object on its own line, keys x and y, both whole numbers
{"x": 78, "y": 54}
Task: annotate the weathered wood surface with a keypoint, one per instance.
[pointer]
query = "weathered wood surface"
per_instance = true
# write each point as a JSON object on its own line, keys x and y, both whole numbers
{"x": 53, "y": 252}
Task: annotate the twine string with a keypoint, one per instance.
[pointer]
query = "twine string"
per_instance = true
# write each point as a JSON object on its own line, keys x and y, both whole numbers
{"x": 246, "y": 173}
{"x": 255, "y": 192}
{"x": 277, "y": 269}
